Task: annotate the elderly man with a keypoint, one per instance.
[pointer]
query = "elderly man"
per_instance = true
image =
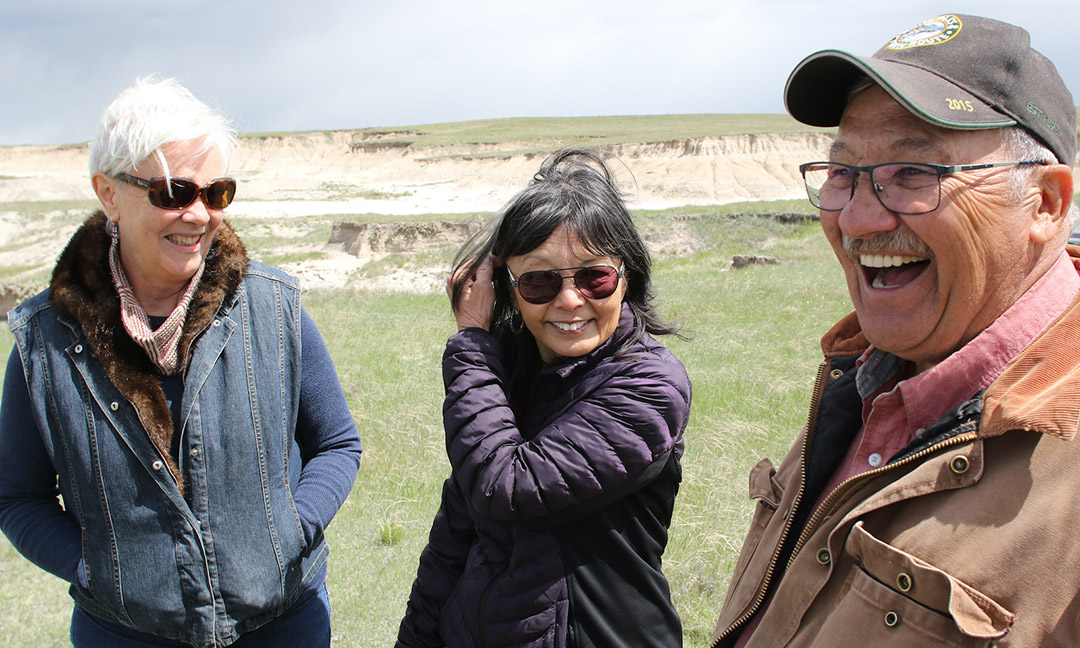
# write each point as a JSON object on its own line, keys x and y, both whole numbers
{"x": 933, "y": 497}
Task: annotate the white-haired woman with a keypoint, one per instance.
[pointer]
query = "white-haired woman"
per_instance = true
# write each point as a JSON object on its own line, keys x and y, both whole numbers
{"x": 158, "y": 388}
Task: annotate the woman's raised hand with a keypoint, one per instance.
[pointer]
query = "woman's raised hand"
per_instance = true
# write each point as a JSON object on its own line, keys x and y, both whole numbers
{"x": 477, "y": 301}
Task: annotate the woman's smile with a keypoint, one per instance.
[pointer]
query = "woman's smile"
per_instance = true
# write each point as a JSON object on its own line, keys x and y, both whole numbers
{"x": 571, "y": 324}
{"x": 184, "y": 241}
{"x": 570, "y": 327}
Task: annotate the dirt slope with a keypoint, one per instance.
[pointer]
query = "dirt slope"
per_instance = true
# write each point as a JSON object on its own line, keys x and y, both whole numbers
{"x": 283, "y": 178}
{"x": 308, "y": 173}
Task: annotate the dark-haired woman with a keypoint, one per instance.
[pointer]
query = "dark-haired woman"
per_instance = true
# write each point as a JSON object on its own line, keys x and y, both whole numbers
{"x": 564, "y": 422}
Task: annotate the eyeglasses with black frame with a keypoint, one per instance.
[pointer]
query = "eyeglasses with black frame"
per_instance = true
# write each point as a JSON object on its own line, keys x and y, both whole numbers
{"x": 542, "y": 286}
{"x": 906, "y": 188}
{"x": 179, "y": 193}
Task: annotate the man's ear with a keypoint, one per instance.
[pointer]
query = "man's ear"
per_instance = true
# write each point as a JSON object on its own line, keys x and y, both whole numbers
{"x": 1055, "y": 198}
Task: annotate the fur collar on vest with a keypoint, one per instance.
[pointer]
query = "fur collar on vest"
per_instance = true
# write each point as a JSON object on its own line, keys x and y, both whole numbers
{"x": 82, "y": 290}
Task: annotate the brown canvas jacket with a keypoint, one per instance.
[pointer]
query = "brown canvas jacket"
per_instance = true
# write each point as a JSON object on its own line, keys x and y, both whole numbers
{"x": 968, "y": 539}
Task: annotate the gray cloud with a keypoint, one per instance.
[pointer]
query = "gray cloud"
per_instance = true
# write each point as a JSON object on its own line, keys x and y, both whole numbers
{"x": 322, "y": 64}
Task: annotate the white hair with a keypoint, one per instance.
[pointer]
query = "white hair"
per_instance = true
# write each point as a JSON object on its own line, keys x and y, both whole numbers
{"x": 1019, "y": 144}
{"x": 149, "y": 115}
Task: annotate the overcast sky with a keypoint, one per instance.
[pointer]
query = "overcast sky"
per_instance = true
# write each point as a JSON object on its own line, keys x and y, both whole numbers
{"x": 276, "y": 65}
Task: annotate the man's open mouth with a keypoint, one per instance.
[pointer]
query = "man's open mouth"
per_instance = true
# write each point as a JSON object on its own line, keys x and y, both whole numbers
{"x": 891, "y": 271}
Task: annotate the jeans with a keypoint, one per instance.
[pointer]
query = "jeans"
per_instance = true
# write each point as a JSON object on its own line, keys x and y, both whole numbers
{"x": 303, "y": 626}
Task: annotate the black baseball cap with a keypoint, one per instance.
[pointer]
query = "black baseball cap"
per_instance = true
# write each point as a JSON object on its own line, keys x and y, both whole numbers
{"x": 955, "y": 71}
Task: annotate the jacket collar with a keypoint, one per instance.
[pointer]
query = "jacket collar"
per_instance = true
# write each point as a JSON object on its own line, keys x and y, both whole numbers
{"x": 82, "y": 290}
{"x": 1040, "y": 389}
{"x": 608, "y": 347}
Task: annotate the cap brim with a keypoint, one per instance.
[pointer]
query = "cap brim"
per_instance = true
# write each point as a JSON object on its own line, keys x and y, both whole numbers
{"x": 817, "y": 92}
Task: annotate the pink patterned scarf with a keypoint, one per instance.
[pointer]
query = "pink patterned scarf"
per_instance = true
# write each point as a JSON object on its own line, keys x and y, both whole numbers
{"x": 161, "y": 345}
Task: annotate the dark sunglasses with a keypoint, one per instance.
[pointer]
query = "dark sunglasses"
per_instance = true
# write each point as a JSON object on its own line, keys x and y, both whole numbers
{"x": 541, "y": 286}
{"x": 178, "y": 193}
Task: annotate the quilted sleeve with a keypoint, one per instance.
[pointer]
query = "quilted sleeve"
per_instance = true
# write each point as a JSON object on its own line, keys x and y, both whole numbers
{"x": 609, "y": 440}
{"x": 441, "y": 566}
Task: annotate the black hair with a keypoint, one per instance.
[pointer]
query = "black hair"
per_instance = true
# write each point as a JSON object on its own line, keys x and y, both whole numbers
{"x": 574, "y": 187}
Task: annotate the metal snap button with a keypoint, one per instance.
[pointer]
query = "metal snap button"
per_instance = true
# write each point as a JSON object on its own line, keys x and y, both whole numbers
{"x": 78, "y": 348}
{"x": 217, "y": 322}
{"x": 157, "y": 465}
{"x": 959, "y": 464}
{"x": 892, "y": 619}
{"x": 836, "y": 373}
{"x": 114, "y": 406}
{"x": 194, "y": 452}
{"x": 824, "y": 557}
{"x": 903, "y": 582}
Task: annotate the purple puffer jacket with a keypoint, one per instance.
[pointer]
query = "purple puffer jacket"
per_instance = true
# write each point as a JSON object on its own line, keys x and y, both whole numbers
{"x": 553, "y": 521}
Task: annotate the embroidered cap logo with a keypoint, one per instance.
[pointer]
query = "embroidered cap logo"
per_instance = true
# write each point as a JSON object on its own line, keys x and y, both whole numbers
{"x": 929, "y": 32}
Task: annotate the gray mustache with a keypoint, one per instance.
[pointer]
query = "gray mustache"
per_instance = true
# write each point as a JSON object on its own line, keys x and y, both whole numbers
{"x": 904, "y": 241}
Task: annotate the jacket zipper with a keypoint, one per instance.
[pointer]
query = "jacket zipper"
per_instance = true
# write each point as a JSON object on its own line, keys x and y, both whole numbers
{"x": 815, "y": 403}
{"x": 828, "y": 502}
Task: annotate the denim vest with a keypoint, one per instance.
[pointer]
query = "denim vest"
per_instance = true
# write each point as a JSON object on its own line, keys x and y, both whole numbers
{"x": 227, "y": 555}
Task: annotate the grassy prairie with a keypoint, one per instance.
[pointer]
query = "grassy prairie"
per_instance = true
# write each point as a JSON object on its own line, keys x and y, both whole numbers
{"x": 752, "y": 357}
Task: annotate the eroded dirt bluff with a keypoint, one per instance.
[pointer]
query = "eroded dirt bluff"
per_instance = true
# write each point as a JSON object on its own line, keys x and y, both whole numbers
{"x": 330, "y": 172}
{"x": 284, "y": 178}
{"x": 393, "y": 179}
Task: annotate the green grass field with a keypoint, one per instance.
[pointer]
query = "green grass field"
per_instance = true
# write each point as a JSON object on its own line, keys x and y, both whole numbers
{"x": 752, "y": 356}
